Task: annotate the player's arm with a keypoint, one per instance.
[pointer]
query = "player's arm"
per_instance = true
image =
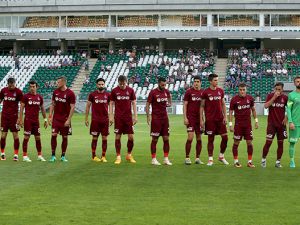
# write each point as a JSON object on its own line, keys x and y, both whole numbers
{"x": 289, "y": 113}
{"x": 224, "y": 111}
{"x": 51, "y": 110}
{"x": 44, "y": 116}
{"x": 111, "y": 109}
{"x": 254, "y": 116}
{"x": 148, "y": 112}
{"x": 202, "y": 113}
{"x": 269, "y": 102}
{"x": 68, "y": 122}
{"x": 170, "y": 101}
{"x": 230, "y": 120}
{"x": 133, "y": 103}
{"x": 87, "y": 111}
{"x": 185, "y": 119}
{"x": 20, "y": 120}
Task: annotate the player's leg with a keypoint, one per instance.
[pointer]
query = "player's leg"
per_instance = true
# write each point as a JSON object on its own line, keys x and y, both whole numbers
{"x": 55, "y": 130}
{"x": 210, "y": 149}
{"x": 118, "y": 148}
{"x": 3, "y": 144}
{"x": 279, "y": 153}
{"x": 130, "y": 144}
{"x": 198, "y": 148}
{"x": 188, "y": 146}
{"x": 221, "y": 129}
{"x": 94, "y": 147}
{"x": 235, "y": 153}
{"x": 64, "y": 146}
{"x": 250, "y": 153}
{"x": 25, "y": 147}
{"x": 16, "y": 145}
{"x": 166, "y": 147}
{"x": 104, "y": 148}
{"x": 293, "y": 138}
{"x": 38, "y": 145}
{"x": 153, "y": 151}
{"x": 269, "y": 139}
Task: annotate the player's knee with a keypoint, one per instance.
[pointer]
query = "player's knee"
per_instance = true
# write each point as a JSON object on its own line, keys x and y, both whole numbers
{"x": 225, "y": 137}
{"x": 36, "y": 138}
{"x": 249, "y": 142}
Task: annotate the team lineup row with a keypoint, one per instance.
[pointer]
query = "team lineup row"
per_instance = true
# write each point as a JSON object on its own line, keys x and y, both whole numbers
{"x": 204, "y": 112}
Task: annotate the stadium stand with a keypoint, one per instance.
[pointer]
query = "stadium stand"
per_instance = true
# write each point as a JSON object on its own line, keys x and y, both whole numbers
{"x": 41, "y": 21}
{"x": 87, "y": 21}
{"x": 143, "y": 69}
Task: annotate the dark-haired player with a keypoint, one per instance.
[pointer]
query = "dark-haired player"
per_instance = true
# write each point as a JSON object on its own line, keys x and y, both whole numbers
{"x": 33, "y": 103}
{"x": 214, "y": 108}
{"x": 159, "y": 99}
{"x": 276, "y": 102}
{"x": 191, "y": 117}
{"x": 242, "y": 105}
{"x": 122, "y": 103}
{"x": 10, "y": 96}
{"x": 99, "y": 101}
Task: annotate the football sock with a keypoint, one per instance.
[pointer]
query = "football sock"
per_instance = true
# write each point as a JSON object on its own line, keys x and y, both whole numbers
{"x": 223, "y": 144}
{"x": 16, "y": 145}
{"x": 279, "y": 149}
{"x": 188, "y": 145}
{"x": 25, "y": 146}
{"x": 166, "y": 148}
{"x": 118, "y": 146}
{"x": 64, "y": 145}
{"x": 53, "y": 144}
{"x": 266, "y": 148}
{"x": 292, "y": 150}
{"x": 210, "y": 145}
{"x": 250, "y": 152}
{"x": 3, "y": 143}
{"x": 94, "y": 146}
{"x": 235, "y": 151}
{"x": 129, "y": 146}
{"x": 153, "y": 148}
{"x": 198, "y": 148}
{"x": 104, "y": 147}
{"x": 38, "y": 146}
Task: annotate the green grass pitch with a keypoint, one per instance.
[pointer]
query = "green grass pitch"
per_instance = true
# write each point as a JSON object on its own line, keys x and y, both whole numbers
{"x": 85, "y": 192}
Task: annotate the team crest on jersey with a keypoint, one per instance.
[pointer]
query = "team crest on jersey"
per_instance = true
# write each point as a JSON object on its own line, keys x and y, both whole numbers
{"x": 127, "y": 93}
{"x": 219, "y": 93}
{"x": 65, "y": 96}
{"x": 211, "y": 98}
{"x": 15, "y": 94}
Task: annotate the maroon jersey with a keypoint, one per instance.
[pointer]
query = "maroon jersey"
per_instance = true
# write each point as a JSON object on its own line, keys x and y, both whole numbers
{"x": 62, "y": 100}
{"x": 123, "y": 99}
{"x": 158, "y": 100}
{"x": 242, "y": 108}
{"x": 33, "y": 104}
{"x": 193, "y": 97}
{"x": 213, "y": 104}
{"x": 11, "y": 99}
{"x": 100, "y": 101}
{"x": 277, "y": 109}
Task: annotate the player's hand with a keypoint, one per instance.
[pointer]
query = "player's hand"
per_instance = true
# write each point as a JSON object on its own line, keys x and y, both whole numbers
{"x": 45, "y": 124}
{"x": 50, "y": 121}
{"x": 86, "y": 123}
{"x": 67, "y": 123}
{"x": 202, "y": 124}
{"x": 292, "y": 126}
{"x": 148, "y": 120}
{"x": 111, "y": 121}
{"x": 256, "y": 125}
{"x": 231, "y": 128}
{"x": 225, "y": 120}
{"x": 284, "y": 121}
{"x": 20, "y": 123}
{"x": 134, "y": 121}
{"x": 276, "y": 94}
{"x": 186, "y": 121}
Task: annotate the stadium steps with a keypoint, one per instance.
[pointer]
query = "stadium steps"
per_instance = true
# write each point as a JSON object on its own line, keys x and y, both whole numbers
{"x": 81, "y": 76}
{"x": 220, "y": 69}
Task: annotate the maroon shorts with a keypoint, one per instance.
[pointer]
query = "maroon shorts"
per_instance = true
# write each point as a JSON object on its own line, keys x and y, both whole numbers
{"x": 31, "y": 127}
{"x": 58, "y": 127}
{"x": 215, "y": 127}
{"x": 241, "y": 132}
{"x": 159, "y": 127}
{"x": 279, "y": 131}
{"x": 123, "y": 126}
{"x": 9, "y": 124}
{"x": 99, "y": 127}
{"x": 193, "y": 126}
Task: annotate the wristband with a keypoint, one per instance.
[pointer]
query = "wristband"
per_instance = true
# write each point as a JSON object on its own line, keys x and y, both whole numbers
{"x": 256, "y": 120}
{"x": 45, "y": 119}
{"x": 230, "y": 124}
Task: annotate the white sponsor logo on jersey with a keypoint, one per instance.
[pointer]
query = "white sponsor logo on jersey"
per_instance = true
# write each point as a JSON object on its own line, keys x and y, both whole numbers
{"x": 9, "y": 99}
{"x": 243, "y": 107}
{"x": 162, "y": 99}
{"x": 278, "y": 105}
{"x": 123, "y": 97}
{"x": 60, "y": 99}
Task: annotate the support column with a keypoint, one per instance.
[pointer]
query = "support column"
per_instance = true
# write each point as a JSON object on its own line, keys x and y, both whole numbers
{"x": 261, "y": 20}
{"x": 211, "y": 45}
{"x": 209, "y": 20}
{"x": 15, "y": 47}
{"x": 112, "y": 45}
{"x": 63, "y": 45}
{"x": 161, "y": 45}
{"x": 262, "y": 44}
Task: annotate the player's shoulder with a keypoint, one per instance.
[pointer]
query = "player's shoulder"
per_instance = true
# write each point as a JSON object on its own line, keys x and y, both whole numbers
{"x": 129, "y": 89}
{"x": 70, "y": 91}
{"x": 250, "y": 97}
